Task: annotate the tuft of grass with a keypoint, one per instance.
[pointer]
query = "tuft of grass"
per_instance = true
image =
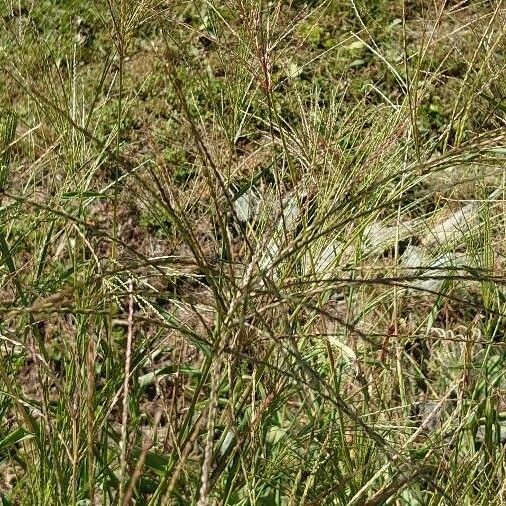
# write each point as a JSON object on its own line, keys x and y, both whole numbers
{"x": 252, "y": 253}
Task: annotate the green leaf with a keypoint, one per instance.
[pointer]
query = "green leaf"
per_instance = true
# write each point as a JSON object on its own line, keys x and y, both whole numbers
{"x": 85, "y": 194}
{"x": 7, "y": 135}
{"x": 154, "y": 461}
{"x": 16, "y": 436}
{"x": 4, "y": 501}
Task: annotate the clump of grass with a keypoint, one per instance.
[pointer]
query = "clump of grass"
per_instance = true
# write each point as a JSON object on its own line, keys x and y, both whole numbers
{"x": 295, "y": 306}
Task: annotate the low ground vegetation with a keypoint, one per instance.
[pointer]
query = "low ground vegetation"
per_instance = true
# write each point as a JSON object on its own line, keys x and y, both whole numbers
{"x": 252, "y": 252}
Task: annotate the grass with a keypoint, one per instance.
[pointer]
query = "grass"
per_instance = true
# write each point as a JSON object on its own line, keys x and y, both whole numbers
{"x": 252, "y": 253}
